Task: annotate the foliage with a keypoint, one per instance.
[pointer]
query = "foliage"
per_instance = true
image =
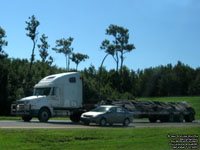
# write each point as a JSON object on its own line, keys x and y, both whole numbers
{"x": 64, "y": 46}
{"x": 2, "y": 41}
{"x": 119, "y": 44}
{"x": 78, "y": 57}
{"x": 17, "y": 79}
{"x": 43, "y": 47}
{"x": 32, "y": 25}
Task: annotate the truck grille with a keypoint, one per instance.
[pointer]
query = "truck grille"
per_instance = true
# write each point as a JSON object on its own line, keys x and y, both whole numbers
{"x": 20, "y": 107}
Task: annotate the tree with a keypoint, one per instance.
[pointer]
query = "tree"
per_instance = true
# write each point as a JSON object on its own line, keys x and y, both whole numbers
{"x": 43, "y": 48}
{"x": 32, "y": 25}
{"x": 64, "y": 46}
{"x": 120, "y": 44}
{"x": 77, "y": 58}
{"x": 2, "y": 41}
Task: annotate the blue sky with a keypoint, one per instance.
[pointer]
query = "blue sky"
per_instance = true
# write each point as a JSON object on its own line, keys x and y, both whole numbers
{"x": 163, "y": 31}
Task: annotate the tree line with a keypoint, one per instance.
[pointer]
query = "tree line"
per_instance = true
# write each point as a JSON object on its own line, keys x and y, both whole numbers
{"x": 18, "y": 76}
{"x": 178, "y": 80}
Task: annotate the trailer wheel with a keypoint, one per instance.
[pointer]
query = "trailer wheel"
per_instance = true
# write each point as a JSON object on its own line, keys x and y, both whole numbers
{"x": 103, "y": 122}
{"x": 152, "y": 119}
{"x": 189, "y": 118}
{"x": 26, "y": 118}
{"x": 180, "y": 118}
{"x": 171, "y": 117}
{"x": 44, "y": 115}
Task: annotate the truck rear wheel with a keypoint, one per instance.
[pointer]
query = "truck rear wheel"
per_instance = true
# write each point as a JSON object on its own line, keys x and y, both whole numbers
{"x": 75, "y": 116}
{"x": 152, "y": 119}
{"x": 44, "y": 115}
{"x": 26, "y": 118}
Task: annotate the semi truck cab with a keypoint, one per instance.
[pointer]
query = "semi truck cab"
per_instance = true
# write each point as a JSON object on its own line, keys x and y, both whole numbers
{"x": 54, "y": 95}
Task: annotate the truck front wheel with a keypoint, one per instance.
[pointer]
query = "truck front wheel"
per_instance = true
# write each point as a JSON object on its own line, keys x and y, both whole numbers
{"x": 44, "y": 115}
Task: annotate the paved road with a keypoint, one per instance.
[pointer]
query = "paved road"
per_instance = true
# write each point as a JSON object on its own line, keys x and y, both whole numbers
{"x": 59, "y": 124}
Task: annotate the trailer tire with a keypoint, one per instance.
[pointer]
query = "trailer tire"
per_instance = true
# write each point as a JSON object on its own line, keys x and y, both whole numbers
{"x": 171, "y": 117}
{"x": 44, "y": 115}
{"x": 152, "y": 119}
{"x": 189, "y": 118}
{"x": 26, "y": 118}
{"x": 180, "y": 118}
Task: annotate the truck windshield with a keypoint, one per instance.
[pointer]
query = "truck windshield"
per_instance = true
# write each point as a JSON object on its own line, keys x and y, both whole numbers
{"x": 42, "y": 91}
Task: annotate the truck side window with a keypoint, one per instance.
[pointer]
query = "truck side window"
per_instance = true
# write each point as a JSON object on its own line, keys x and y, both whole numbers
{"x": 72, "y": 80}
{"x": 54, "y": 92}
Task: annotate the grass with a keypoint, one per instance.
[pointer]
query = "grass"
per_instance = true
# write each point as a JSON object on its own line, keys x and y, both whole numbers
{"x": 193, "y": 101}
{"x": 91, "y": 139}
{"x": 19, "y": 118}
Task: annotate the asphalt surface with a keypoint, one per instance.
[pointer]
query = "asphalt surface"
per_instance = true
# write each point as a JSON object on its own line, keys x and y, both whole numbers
{"x": 67, "y": 124}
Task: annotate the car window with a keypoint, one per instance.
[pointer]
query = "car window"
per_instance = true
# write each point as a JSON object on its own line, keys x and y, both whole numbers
{"x": 100, "y": 109}
{"x": 113, "y": 110}
{"x": 120, "y": 110}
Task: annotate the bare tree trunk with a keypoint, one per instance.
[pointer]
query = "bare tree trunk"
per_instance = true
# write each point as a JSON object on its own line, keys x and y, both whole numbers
{"x": 122, "y": 61}
{"x": 100, "y": 75}
{"x": 66, "y": 63}
{"x": 117, "y": 61}
{"x": 32, "y": 56}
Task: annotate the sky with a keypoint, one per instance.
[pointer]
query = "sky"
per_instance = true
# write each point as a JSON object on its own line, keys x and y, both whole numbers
{"x": 163, "y": 31}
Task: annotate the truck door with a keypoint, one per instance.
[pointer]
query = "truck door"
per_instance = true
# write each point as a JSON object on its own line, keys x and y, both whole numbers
{"x": 55, "y": 97}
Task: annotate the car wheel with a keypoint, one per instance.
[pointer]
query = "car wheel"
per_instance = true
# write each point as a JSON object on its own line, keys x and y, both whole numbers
{"x": 26, "y": 118}
{"x": 126, "y": 122}
{"x": 44, "y": 115}
{"x": 102, "y": 122}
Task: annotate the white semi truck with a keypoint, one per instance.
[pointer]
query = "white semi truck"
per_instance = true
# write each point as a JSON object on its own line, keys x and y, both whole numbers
{"x": 61, "y": 95}
{"x": 55, "y": 95}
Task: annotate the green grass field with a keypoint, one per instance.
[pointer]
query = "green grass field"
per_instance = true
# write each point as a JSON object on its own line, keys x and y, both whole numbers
{"x": 92, "y": 139}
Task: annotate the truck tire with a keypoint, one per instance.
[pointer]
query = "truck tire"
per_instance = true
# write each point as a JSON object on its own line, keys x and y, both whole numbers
{"x": 26, "y": 118}
{"x": 180, "y": 118}
{"x": 102, "y": 122}
{"x": 75, "y": 116}
{"x": 170, "y": 117}
{"x": 152, "y": 119}
{"x": 189, "y": 118}
{"x": 44, "y": 115}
